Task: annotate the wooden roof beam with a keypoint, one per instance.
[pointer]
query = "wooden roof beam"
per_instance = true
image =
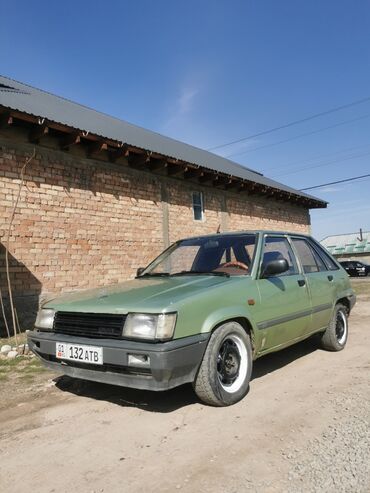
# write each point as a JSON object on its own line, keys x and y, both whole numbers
{"x": 37, "y": 132}
{"x": 254, "y": 189}
{"x": 138, "y": 160}
{"x": 6, "y": 120}
{"x": 121, "y": 151}
{"x": 233, "y": 184}
{"x": 71, "y": 139}
{"x": 222, "y": 181}
{"x": 207, "y": 177}
{"x": 157, "y": 164}
{"x": 193, "y": 173}
{"x": 176, "y": 169}
{"x": 242, "y": 187}
{"x": 96, "y": 147}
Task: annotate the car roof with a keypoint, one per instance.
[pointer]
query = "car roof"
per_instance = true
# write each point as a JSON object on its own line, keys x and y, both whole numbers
{"x": 245, "y": 232}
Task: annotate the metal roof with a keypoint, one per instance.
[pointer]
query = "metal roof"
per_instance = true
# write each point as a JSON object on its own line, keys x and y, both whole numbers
{"x": 347, "y": 243}
{"x": 24, "y": 98}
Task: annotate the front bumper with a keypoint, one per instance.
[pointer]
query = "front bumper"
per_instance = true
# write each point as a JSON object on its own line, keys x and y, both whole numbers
{"x": 172, "y": 363}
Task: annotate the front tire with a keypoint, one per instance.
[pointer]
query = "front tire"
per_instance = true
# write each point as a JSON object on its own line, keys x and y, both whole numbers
{"x": 336, "y": 335}
{"x": 224, "y": 374}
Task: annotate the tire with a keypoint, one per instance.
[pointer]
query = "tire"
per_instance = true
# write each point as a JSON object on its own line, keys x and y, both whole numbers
{"x": 224, "y": 374}
{"x": 336, "y": 335}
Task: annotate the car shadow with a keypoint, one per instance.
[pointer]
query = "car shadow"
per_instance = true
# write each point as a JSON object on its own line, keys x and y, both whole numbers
{"x": 158, "y": 402}
{"x": 183, "y": 396}
{"x": 284, "y": 357}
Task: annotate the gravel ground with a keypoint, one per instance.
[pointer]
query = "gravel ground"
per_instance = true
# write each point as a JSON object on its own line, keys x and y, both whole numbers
{"x": 339, "y": 459}
{"x": 303, "y": 427}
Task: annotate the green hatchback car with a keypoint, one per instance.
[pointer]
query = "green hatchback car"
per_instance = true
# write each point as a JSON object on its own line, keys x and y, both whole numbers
{"x": 201, "y": 312}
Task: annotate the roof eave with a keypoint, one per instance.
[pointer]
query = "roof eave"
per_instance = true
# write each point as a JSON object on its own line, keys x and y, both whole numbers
{"x": 146, "y": 159}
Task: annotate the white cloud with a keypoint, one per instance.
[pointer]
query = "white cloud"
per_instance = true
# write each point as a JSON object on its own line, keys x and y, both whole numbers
{"x": 185, "y": 100}
{"x": 180, "y": 109}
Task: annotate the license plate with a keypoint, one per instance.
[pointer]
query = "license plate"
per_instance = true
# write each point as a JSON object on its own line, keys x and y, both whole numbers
{"x": 75, "y": 352}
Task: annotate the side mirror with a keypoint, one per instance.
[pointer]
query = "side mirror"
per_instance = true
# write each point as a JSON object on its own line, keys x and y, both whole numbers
{"x": 274, "y": 267}
{"x": 140, "y": 271}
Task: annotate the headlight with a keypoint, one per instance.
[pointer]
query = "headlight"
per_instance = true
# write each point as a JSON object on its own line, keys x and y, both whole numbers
{"x": 147, "y": 326}
{"x": 45, "y": 319}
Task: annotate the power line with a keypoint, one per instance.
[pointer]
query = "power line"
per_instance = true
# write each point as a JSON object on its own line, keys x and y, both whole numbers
{"x": 320, "y": 165}
{"x": 345, "y": 122}
{"x": 290, "y": 124}
{"x": 335, "y": 182}
{"x": 316, "y": 157}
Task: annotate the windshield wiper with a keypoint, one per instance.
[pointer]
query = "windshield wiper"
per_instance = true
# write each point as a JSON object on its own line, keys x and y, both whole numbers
{"x": 200, "y": 273}
{"x": 154, "y": 274}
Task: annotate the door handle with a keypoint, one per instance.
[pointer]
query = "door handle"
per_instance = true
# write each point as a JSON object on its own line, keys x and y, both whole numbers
{"x": 301, "y": 282}
{"x": 330, "y": 278}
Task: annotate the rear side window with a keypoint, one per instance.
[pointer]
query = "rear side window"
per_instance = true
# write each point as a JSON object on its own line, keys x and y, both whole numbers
{"x": 310, "y": 260}
{"x": 330, "y": 264}
{"x": 277, "y": 247}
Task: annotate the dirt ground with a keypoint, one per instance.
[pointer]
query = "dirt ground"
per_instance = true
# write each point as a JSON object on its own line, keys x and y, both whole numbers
{"x": 304, "y": 426}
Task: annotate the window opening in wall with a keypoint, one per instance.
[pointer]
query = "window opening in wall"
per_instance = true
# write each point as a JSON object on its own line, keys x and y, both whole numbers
{"x": 198, "y": 209}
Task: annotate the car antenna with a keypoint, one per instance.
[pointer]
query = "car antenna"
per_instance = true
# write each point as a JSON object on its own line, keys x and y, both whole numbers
{"x": 218, "y": 229}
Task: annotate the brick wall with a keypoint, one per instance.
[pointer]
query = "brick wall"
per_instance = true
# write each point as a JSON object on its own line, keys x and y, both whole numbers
{"x": 82, "y": 223}
{"x": 230, "y": 212}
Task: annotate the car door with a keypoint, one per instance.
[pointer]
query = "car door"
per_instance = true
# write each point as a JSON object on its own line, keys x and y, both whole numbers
{"x": 345, "y": 266}
{"x": 284, "y": 311}
{"x": 351, "y": 269}
{"x": 320, "y": 282}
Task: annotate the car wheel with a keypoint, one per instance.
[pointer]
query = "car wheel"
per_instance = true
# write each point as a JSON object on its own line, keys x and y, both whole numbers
{"x": 224, "y": 374}
{"x": 336, "y": 335}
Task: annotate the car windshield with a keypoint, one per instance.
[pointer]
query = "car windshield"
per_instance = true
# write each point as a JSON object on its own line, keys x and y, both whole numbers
{"x": 229, "y": 255}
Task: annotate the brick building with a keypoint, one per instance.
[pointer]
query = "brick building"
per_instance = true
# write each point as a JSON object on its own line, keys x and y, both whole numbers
{"x": 102, "y": 197}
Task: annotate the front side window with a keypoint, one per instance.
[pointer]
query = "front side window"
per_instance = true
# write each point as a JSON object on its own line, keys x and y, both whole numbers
{"x": 229, "y": 255}
{"x": 276, "y": 248}
{"x": 198, "y": 208}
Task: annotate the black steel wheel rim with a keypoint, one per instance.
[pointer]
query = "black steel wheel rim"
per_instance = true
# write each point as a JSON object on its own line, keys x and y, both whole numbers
{"x": 228, "y": 362}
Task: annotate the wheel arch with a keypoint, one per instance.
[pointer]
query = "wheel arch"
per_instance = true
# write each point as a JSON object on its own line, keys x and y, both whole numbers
{"x": 245, "y": 323}
{"x": 344, "y": 301}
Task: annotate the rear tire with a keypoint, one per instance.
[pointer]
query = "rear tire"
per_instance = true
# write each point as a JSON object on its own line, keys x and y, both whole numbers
{"x": 224, "y": 374}
{"x": 336, "y": 335}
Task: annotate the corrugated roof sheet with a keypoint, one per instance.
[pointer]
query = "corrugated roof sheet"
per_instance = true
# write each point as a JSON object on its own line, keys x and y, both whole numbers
{"x": 24, "y": 98}
{"x": 347, "y": 243}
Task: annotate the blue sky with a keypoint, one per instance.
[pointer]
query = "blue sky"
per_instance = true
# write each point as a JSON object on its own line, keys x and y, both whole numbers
{"x": 208, "y": 72}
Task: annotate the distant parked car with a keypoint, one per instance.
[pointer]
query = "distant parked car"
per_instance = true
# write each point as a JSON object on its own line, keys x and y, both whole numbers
{"x": 355, "y": 268}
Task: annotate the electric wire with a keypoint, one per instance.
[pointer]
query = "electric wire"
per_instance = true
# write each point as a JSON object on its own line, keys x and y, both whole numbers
{"x": 353, "y": 178}
{"x": 291, "y": 124}
{"x": 345, "y": 122}
{"x": 314, "y": 158}
{"x": 321, "y": 165}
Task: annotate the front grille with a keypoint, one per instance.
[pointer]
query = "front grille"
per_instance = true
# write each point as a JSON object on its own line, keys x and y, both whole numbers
{"x": 93, "y": 325}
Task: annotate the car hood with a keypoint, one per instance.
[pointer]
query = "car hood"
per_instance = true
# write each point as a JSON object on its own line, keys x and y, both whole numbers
{"x": 143, "y": 294}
